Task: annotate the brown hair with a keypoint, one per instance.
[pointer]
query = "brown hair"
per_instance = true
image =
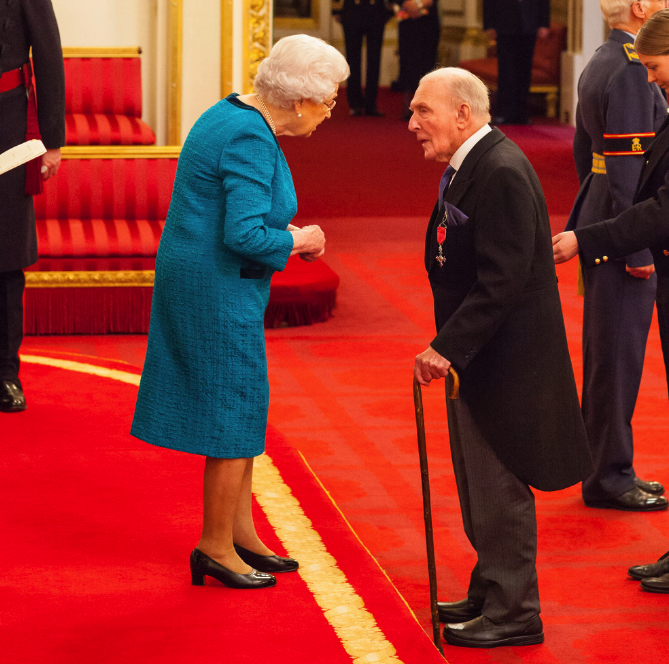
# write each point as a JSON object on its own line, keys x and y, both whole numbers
{"x": 653, "y": 38}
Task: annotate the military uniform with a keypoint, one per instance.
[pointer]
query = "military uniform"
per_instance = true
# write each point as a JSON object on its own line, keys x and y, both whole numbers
{"x": 24, "y": 24}
{"x": 363, "y": 18}
{"x": 617, "y": 116}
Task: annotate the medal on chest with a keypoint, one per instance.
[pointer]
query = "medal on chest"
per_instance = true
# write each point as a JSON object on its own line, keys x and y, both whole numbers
{"x": 441, "y": 237}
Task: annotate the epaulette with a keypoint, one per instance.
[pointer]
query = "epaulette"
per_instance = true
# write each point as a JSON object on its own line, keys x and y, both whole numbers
{"x": 631, "y": 53}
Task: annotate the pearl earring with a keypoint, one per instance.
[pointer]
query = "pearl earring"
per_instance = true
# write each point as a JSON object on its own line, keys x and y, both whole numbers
{"x": 299, "y": 115}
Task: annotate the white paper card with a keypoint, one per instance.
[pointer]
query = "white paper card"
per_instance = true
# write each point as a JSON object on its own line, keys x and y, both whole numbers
{"x": 21, "y": 154}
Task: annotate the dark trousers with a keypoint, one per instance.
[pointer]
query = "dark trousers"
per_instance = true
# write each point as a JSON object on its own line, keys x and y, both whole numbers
{"x": 11, "y": 323}
{"x": 617, "y": 312}
{"x": 499, "y": 520}
{"x": 662, "y": 301}
{"x": 514, "y": 60}
{"x": 353, "y": 34}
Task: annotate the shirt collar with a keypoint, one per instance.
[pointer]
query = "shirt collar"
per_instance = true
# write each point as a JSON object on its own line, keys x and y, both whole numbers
{"x": 466, "y": 147}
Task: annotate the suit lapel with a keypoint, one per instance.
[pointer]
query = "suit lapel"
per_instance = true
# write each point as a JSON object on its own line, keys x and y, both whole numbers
{"x": 462, "y": 179}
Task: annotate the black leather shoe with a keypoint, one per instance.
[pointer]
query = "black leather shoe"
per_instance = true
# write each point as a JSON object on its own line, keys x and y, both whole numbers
{"x": 374, "y": 113}
{"x": 652, "y": 570}
{"x": 461, "y": 611}
{"x": 11, "y": 397}
{"x": 202, "y": 565}
{"x": 356, "y": 112}
{"x": 271, "y": 564}
{"x": 484, "y": 633}
{"x": 649, "y": 487}
{"x": 656, "y": 585}
{"x": 633, "y": 500}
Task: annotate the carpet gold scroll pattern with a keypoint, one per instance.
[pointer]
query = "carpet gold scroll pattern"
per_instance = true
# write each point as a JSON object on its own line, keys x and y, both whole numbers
{"x": 344, "y": 609}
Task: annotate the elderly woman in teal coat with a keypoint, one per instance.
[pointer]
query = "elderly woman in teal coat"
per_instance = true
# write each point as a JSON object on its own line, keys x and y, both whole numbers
{"x": 204, "y": 388}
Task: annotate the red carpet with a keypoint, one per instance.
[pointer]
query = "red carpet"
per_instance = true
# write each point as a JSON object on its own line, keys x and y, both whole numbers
{"x": 341, "y": 394}
{"x": 95, "y": 547}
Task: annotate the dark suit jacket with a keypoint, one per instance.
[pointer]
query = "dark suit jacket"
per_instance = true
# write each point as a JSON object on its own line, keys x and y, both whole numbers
{"x": 645, "y": 224}
{"x": 26, "y": 23}
{"x": 516, "y": 17}
{"x": 499, "y": 317}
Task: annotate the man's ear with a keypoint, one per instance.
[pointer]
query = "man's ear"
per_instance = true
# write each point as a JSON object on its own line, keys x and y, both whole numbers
{"x": 464, "y": 113}
{"x": 638, "y": 10}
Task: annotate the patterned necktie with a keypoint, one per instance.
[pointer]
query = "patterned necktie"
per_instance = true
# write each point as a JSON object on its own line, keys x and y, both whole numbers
{"x": 445, "y": 181}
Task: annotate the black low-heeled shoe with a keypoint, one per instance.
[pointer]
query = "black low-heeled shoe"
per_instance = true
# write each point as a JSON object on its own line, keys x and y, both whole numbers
{"x": 202, "y": 565}
{"x": 273, "y": 564}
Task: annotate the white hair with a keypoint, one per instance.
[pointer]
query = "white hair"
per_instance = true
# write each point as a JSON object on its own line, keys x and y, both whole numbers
{"x": 464, "y": 87}
{"x": 300, "y": 67}
{"x": 615, "y": 11}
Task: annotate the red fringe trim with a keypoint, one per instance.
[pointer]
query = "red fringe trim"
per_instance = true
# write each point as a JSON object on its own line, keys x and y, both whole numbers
{"x": 128, "y": 310}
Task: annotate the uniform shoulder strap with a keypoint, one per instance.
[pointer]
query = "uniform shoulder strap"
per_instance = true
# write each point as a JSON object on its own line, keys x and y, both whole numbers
{"x": 631, "y": 53}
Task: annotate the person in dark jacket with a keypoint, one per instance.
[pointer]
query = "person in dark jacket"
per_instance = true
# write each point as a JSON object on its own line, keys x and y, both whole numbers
{"x": 617, "y": 115}
{"x": 418, "y": 37}
{"x": 363, "y": 18}
{"x": 517, "y": 423}
{"x": 24, "y": 24}
{"x": 515, "y": 24}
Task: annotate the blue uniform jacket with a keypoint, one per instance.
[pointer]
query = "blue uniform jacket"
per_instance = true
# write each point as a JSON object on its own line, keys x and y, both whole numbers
{"x": 617, "y": 116}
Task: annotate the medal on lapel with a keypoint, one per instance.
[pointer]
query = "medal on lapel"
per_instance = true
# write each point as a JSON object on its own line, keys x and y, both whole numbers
{"x": 441, "y": 237}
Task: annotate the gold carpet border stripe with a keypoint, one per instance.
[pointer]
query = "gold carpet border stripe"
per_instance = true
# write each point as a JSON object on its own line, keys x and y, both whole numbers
{"x": 362, "y": 544}
{"x": 81, "y": 367}
{"x": 93, "y": 279}
{"x": 343, "y": 608}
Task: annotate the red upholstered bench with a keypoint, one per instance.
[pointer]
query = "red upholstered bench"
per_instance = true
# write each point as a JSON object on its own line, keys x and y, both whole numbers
{"x": 103, "y": 97}
{"x": 99, "y": 223}
{"x": 545, "y": 66}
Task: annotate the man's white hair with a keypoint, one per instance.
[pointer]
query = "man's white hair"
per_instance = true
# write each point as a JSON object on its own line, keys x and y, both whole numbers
{"x": 616, "y": 11}
{"x": 464, "y": 87}
{"x": 300, "y": 67}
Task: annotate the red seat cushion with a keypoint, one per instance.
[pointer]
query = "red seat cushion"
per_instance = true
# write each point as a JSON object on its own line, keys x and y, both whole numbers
{"x": 545, "y": 64}
{"x": 99, "y": 129}
{"x": 58, "y": 238}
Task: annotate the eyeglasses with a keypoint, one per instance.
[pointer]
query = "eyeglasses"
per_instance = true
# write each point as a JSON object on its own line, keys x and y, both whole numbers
{"x": 331, "y": 105}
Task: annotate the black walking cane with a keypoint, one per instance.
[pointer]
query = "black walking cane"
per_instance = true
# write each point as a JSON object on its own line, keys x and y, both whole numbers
{"x": 427, "y": 506}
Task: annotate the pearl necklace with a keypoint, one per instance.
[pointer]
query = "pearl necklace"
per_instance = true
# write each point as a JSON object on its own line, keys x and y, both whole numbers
{"x": 266, "y": 115}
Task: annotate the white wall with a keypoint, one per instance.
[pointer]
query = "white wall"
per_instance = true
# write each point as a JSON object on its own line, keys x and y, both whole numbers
{"x": 201, "y": 73}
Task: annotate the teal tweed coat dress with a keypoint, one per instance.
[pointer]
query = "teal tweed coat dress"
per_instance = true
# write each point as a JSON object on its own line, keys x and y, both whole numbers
{"x": 204, "y": 388}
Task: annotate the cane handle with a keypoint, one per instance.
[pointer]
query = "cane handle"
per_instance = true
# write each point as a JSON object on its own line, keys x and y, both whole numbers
{"x": 455, "y": 384}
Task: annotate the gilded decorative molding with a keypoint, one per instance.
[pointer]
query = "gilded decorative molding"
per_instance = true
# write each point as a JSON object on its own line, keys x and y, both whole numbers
{"x": 100, "y": 279}
{"x": 342, "y": 607}
{"x": 227, "y": 59}
{"x": 101, "y": 51}
{"x": 174, "y": 58}
{"x": 259, "y": 38}
{"x": 120, "y": 152}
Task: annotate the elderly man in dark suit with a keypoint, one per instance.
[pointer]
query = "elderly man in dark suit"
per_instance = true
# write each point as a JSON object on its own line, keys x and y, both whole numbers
{"x": 517, "y": 422}
{"x": 515, "y": 25}
{"x": 27, "y": 23}
{"x": 617, "y": 116}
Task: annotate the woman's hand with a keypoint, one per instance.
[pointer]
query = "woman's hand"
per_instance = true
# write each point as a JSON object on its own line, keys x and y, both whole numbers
{"x": 310, "y": 258}
{"x": 565, "y": 247}
{"x": 308, "y": 240}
